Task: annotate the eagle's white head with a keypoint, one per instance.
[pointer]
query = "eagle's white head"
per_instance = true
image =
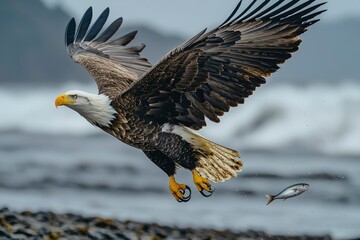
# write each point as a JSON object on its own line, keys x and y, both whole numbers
{"x": 95, "y": 108}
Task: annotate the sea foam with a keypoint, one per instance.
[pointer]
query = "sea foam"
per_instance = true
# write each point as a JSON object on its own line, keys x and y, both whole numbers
{"x": 322, "y": 118}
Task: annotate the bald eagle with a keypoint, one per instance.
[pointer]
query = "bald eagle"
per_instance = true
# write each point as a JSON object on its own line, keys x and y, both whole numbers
{"x": 158, "y": 108}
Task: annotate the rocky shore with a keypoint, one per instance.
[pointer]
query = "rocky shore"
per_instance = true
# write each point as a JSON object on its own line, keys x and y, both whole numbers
{"x": 52, "y": 226}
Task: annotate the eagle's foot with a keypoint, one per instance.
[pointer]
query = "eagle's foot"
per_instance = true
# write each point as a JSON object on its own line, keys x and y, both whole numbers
{"x": 179, "y": 190}
{"x": 202, "y": 184}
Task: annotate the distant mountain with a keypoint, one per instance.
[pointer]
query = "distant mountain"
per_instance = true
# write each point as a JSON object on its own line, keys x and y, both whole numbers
{"x": 33, "y": 54}
{"x": 32, "y": 45}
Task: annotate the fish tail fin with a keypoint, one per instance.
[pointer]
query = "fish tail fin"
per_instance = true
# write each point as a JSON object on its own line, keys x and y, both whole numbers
{"x": 270, "y": 198}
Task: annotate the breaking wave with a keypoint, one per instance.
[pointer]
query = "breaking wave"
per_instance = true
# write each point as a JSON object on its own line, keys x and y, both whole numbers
{"x": 320, "y": 118}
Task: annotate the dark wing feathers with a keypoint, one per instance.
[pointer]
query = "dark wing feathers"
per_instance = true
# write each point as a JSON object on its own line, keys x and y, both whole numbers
{"x": 84, "y": 25}
{"x": 232, "y": 14}
{"x": 97, "y": 26}
{"x": 70, "y": 32}
{"x": 256, "y": 10}
{"x": 243, "y": 12}
{"x": 260, "y": 14}
{"x": 216, "y": 70}
{"x": 109, "y": 32}
{"x": 281, "y": 9}
{"x": 113, "y": 64}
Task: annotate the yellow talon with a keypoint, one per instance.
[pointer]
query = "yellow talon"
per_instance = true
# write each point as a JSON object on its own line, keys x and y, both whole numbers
{"x": 202, "y": 184}
{"x": 178, "y": 190}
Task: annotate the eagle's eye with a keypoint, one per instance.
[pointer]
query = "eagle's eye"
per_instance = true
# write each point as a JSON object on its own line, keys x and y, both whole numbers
{"x": 74, "y": 96}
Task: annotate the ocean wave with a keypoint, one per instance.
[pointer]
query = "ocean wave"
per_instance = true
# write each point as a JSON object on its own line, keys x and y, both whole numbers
{"x": 320, "y": 118}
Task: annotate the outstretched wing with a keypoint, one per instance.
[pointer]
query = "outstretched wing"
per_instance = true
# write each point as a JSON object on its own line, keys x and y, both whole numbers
{"x": 216, "y": 70}
{"x": 112, "y": 63}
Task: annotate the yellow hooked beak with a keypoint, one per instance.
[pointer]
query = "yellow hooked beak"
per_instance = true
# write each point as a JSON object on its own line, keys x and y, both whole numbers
{"x": 63, "y": 99}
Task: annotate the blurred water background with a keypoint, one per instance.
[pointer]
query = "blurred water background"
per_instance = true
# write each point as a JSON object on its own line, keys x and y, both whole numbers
{"x": 302, "y": 126}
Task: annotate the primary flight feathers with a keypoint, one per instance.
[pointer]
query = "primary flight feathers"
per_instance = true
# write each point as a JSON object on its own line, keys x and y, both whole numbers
{"x": 98, "y": 54}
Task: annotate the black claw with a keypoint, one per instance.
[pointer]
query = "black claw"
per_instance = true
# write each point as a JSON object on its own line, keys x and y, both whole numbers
{"x": 189, "y": 189}
{"x": 180, "y": 200}
{"x": 185, "y": 198}
{"x": 207, "y": 195}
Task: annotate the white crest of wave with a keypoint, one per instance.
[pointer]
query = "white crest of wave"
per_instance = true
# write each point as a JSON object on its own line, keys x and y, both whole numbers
{"x": 324, "y": 118}
{"x": 321, "y": 118}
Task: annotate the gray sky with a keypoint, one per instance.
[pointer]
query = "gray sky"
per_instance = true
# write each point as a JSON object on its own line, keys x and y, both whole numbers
{"x": 185, "y": 17}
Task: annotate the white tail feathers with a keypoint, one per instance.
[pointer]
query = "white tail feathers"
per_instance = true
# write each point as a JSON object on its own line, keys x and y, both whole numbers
{"x": 215, "y": 163}
{"x": 270, "y": 198}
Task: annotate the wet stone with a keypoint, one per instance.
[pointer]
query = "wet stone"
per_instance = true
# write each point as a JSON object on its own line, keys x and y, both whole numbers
{"x": 27, "y": 232}
{"x": 3, "y": 233}
{"x": 51, "y": 226}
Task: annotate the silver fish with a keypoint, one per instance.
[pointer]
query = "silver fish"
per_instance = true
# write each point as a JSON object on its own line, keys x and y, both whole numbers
{"x": 289, "y": 192}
